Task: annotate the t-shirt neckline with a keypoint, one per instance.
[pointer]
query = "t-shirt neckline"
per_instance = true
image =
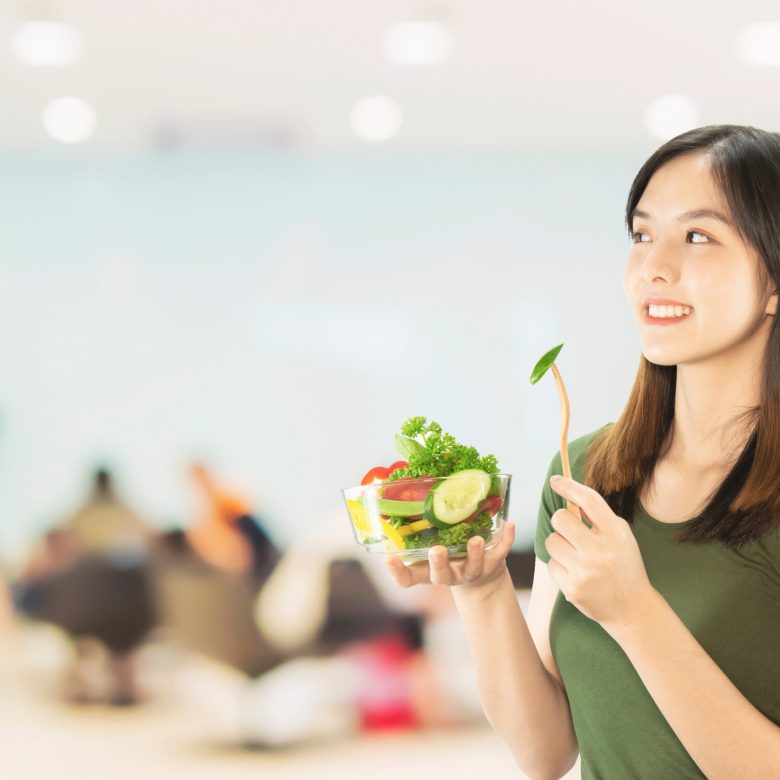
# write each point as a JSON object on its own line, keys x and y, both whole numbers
{"x": 646, "y": 517}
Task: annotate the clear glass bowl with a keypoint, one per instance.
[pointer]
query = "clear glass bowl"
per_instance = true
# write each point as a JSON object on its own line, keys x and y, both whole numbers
{"x": 390, "y": 517}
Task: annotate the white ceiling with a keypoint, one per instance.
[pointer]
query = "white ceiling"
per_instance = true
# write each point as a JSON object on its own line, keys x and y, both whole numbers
{"x": 523, "y": 76}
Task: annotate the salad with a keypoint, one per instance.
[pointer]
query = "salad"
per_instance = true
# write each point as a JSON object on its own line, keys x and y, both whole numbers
{"x": 442, "y": 493}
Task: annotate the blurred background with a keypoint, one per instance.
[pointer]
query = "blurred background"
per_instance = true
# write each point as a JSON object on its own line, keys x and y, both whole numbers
{"x": 240, "y": 244}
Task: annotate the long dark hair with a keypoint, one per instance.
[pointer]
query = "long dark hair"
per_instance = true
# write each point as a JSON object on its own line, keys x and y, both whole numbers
{"x": 745, "y": 164}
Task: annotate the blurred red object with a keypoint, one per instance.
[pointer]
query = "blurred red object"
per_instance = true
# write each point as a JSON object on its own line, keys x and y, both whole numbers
{"x": 384, "y": 697}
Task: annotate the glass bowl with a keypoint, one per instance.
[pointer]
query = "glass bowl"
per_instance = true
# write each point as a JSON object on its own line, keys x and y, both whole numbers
{"x": 407, "y": 517}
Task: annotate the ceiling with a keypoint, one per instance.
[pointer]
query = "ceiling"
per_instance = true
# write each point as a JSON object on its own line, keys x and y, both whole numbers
{"x": 522, "y": 76}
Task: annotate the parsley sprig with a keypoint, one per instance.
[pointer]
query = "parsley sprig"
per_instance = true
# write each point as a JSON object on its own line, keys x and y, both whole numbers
{"x": 431, "y": 452}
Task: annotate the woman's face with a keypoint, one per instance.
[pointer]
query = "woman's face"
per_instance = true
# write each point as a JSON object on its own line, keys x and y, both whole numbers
{"x": 696, "y": 260}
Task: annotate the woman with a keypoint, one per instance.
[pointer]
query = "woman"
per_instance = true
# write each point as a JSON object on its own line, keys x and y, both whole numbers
{"x": 652, "y": 632}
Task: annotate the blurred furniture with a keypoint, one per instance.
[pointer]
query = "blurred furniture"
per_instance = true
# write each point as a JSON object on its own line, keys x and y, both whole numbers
{"x": 212, "y": 611}
{"x": 521, "y": 568}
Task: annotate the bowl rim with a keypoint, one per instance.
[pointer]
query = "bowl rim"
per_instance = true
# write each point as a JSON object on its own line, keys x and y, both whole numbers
{"x": 414, "y": 479}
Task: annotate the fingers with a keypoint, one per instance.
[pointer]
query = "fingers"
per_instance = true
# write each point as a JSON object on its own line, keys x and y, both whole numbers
{"x": 475, "y": 559}
{"x": 571, "y": 528}
{"x": 439, "y": 570}
{"x": 501, "y": 550}
{"x": 439, "y": 562}
{"x": 562, "y": 551}
{"x": 406, "y": 576}
{"x": 507, "y": 540}
{"x": 478, "y": 558}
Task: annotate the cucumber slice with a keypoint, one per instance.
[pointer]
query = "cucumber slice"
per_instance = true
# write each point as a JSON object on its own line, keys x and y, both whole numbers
{"x": 429, "y": 515}
{"x": 386, "y": 506}
{"x": 458, "y": 496}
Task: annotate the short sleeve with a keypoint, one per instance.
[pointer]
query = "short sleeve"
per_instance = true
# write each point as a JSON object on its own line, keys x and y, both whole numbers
{"x": 550, "y": 503}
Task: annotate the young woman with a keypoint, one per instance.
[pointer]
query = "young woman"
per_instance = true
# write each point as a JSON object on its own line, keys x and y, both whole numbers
{"x": 651, "y": 640}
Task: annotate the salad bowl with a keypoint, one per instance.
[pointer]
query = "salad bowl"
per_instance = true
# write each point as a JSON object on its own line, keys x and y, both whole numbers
{"x": 406, "y": 517}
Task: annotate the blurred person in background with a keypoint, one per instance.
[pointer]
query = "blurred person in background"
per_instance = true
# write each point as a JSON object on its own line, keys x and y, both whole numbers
{"x": 207, "y": 574}
{"x": 227, "y": 534}
{"x": 89, "y": 575}
{"x": 106, "y": 526}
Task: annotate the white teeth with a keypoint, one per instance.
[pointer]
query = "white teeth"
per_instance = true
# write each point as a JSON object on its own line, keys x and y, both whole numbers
{"x": 668, "y": 311}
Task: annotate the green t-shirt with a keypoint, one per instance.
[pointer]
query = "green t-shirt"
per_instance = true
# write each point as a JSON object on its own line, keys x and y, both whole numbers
{"x": 728, "y": 599}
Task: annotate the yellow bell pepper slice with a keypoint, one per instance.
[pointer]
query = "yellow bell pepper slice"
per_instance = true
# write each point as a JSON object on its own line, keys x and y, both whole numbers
{"x": 360, "y": 518}
{"x": 392, "y": 534}
{"x": 414, "y": 528}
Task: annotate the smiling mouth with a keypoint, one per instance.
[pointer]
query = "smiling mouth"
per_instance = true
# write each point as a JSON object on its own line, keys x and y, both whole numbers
{"x": 665, "y": 320}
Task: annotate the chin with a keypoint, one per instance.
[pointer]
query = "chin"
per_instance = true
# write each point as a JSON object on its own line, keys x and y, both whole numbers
{"x": 660, "y": 360}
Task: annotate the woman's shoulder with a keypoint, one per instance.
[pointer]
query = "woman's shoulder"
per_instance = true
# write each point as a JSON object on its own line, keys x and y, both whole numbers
{"x": 581, "y": 443}
{"x": 767, "y": 549}
{"x": 577, "y": 450}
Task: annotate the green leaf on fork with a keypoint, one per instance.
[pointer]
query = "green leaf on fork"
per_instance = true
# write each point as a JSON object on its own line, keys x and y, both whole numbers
{"x": 540, "y": 369}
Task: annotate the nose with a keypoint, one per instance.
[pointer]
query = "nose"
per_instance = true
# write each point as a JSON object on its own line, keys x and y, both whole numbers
{"x": 659, "y": 263}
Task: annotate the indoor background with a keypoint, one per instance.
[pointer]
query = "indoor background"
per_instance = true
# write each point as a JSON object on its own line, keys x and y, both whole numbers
{"x": 262, "y": 235}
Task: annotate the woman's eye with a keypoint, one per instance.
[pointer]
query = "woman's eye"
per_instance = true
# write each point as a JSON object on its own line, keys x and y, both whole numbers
{"x": 641, "y": 237}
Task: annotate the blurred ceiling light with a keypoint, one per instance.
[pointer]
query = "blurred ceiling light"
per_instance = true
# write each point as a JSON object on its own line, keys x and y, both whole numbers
{"x": 47, "y": 44}
{"x": 670, "y": 115}
{"x": 70, "y": 120}
{"x": 375, "y": 118}
{"x": 420, "y": 42}
{"x": 759, "y": 44}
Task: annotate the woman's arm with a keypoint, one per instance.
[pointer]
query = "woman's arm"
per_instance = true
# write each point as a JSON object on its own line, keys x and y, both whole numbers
{"x": 521, "y": 697}
{"x": 522, "y": 701}
{"x": 723, "y": 732}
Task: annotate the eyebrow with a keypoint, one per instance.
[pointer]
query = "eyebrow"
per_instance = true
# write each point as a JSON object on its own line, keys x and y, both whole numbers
{"x": 694, "y": 214}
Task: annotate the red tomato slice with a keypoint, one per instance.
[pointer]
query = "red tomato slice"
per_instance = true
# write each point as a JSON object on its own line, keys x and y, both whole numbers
{"x": 409, "y": 489}
{"x": 399, "y": 464}
{"x": 378, "y": 472}
{"x": 491, "y": 505}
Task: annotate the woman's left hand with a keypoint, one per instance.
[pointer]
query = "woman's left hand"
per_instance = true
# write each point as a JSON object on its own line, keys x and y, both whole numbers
{"x": 599, "y": 569}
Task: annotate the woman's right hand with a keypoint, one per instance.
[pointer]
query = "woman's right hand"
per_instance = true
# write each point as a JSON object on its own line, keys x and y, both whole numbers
{"x": 480, "y": 567}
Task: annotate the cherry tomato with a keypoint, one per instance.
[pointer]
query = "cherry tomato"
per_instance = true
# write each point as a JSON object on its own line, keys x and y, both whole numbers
{"x": 376, "y": 473}
{"x": 409, "y": 489}
{"x": 490, "y": 505}
{"x": 399, "y": 464}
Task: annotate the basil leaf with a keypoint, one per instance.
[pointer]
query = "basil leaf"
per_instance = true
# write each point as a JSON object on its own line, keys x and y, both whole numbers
{"x": 408, "y": 447}
{"x": 540, "y": 369}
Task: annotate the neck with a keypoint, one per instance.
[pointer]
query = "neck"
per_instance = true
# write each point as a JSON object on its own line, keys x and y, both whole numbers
{"x": 710, "y": 428}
